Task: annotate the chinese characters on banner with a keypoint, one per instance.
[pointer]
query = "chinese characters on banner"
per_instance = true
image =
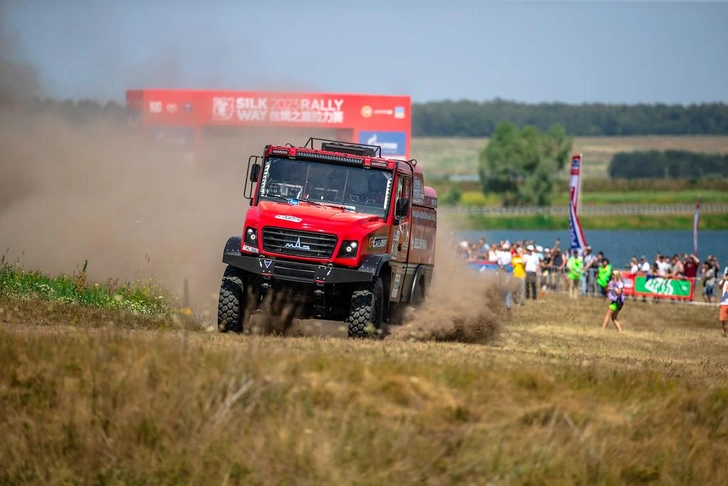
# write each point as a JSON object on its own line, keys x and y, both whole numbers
{"x": 278, "y": 110}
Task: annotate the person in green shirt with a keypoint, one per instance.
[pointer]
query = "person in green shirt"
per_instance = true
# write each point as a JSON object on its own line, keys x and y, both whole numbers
{"x": 575, "y": 267}
{"x": 604, "y": 275}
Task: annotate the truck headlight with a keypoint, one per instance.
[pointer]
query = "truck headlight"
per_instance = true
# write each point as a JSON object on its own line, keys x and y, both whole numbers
{"x": 348, "y": 249}
{"x": 250, "y": 241}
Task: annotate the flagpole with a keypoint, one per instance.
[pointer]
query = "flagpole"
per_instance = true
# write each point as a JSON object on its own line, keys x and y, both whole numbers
{"x": 696, "y": 222}
{"x": 581, "y": 167}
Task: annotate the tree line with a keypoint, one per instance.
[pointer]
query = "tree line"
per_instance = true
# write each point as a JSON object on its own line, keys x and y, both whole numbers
{"x": 670, "y": 164}
{"x": 466, "y": 118}
{"x": 74, "y": 110}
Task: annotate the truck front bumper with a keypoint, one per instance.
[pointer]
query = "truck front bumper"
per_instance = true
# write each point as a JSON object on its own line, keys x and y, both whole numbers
{"x": 286, "y": 270}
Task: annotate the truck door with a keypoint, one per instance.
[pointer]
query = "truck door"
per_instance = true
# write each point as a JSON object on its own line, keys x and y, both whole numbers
{"x": 400, "y": 237}
{"x": 401, "y": 232}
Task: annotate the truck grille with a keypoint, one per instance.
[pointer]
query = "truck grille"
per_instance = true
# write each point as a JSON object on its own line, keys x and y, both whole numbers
{"x": 299, "y": 271}
{"x": 300, "y": 243}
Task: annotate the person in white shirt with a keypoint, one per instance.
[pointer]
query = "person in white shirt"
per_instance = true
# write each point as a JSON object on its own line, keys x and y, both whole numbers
{"x": 531, "y": 264}
{"x": 503, "y": 257}
{"x": 664, "y": 266}
{"x": 493, "y": 253}
{"x": 644, "y": 265}
{"x": 587, "y": 277}
{"x": 634, "y": 266}
{"x": 540, "y": 255}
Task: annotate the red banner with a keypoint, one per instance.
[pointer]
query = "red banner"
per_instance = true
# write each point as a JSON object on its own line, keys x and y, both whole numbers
{"x": 326, "y": 110}
{"x": 385, "y": 120}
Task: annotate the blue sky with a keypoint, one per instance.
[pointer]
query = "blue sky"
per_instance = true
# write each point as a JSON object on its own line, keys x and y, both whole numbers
{"x": 574, "y": 52}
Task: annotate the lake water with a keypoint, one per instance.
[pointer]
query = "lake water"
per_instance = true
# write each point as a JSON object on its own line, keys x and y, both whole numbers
{"x": 620, "y": 245}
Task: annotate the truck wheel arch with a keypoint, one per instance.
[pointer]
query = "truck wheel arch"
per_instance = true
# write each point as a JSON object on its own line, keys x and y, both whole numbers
{"x": 418, "y": 280}
{"x": 375, "y": 263}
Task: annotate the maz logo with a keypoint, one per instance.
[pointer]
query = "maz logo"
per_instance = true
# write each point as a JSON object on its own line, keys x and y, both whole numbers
{"x": 298, "y": 245}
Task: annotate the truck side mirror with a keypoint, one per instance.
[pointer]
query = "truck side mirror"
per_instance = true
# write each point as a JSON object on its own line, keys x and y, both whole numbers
{"x": 402, "y": 208}
{"x": 254, "y": 172}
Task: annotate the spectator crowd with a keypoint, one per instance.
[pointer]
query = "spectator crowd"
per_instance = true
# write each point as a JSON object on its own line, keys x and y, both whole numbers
{"x": 553, "y": 269}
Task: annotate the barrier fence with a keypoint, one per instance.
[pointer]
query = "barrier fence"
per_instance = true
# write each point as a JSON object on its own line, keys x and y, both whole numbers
{"x": 638, "y": 285}
{"x": 585, "y": 210}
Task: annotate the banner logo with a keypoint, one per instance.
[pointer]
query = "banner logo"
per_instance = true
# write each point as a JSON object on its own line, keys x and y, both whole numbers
{"x": 393, "y": 144}
{"x": 222, "y": 108}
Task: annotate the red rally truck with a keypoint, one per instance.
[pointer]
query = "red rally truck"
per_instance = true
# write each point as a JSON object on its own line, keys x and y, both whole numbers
{"x": 334, "y": 230}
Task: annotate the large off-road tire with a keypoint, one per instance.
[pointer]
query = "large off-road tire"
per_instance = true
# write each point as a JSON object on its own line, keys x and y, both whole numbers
{"x": 366, "y": 314}
{"x": 232, "y": 309}
{"x": 418, "y": 294}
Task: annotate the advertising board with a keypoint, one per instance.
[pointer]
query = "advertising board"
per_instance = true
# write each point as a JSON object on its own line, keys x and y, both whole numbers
{"x": 642, "y": 285}
{"x": 363, "y": 117}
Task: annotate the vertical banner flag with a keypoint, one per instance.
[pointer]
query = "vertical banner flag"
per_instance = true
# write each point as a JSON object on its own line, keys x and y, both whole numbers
{"x": 696, "y": 220}
{"x": 576, "y": 235}
{"x": 575, "y": 182}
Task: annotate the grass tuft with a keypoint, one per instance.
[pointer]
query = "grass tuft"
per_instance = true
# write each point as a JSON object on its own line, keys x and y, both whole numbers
{"x": 140, "y": 297}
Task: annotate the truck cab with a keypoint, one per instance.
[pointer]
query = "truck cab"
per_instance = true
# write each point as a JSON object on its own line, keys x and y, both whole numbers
{"x": 335, "y": 231}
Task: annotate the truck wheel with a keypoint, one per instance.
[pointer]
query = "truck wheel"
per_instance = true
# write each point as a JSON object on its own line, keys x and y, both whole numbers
{"x": 232, "y": 304}
{"x": 366, "y": 312}
{"x": 418, "y": 296}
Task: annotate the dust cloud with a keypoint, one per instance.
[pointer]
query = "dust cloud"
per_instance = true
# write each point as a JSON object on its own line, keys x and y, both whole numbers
{"x": 136, "y": 211}
{"x": 100, "y": 193}
{"x": 461, "y": 305}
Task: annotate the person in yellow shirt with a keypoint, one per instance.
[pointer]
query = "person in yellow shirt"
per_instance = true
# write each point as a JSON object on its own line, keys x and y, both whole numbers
{"x": 519, "y": 272}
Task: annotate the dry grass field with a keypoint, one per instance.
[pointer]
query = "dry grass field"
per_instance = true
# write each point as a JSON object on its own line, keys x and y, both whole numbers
{"x": 539, "y": 395}
{"x": 100, "y": 386}
{"x": 443, "y": 156}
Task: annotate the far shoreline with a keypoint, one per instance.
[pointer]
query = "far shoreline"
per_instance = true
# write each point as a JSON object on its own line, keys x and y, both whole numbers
{"x": 644, "y": 222}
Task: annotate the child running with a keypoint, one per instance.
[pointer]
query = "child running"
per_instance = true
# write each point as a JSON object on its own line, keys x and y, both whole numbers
{"x": 615, "y": 295}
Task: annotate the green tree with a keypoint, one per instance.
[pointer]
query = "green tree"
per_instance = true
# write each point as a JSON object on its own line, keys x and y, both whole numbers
{"x": 467, "y": 118}
{"x": 520, "y": 165}
{"x": 453, "y": 196}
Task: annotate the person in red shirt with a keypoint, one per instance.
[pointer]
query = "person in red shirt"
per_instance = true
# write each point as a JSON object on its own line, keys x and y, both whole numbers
{"x": 690, "y": 267}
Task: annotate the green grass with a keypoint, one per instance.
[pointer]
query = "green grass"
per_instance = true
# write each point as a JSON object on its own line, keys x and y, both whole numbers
{"x": 445, "y": 156}
{"x": 141, "y": 297}
{"x": 617, "y": 222}
{"x": 647, "y": 197}
{"x": 441, "y": 157}
{"x": 477, "y": 198}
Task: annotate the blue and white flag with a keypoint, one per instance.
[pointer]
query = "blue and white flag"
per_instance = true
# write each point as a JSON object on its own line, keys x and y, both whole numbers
{"x": 576, "y": 235}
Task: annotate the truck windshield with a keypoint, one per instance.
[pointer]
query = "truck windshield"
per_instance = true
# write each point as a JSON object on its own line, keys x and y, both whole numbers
{"x": 356, "y": 188}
